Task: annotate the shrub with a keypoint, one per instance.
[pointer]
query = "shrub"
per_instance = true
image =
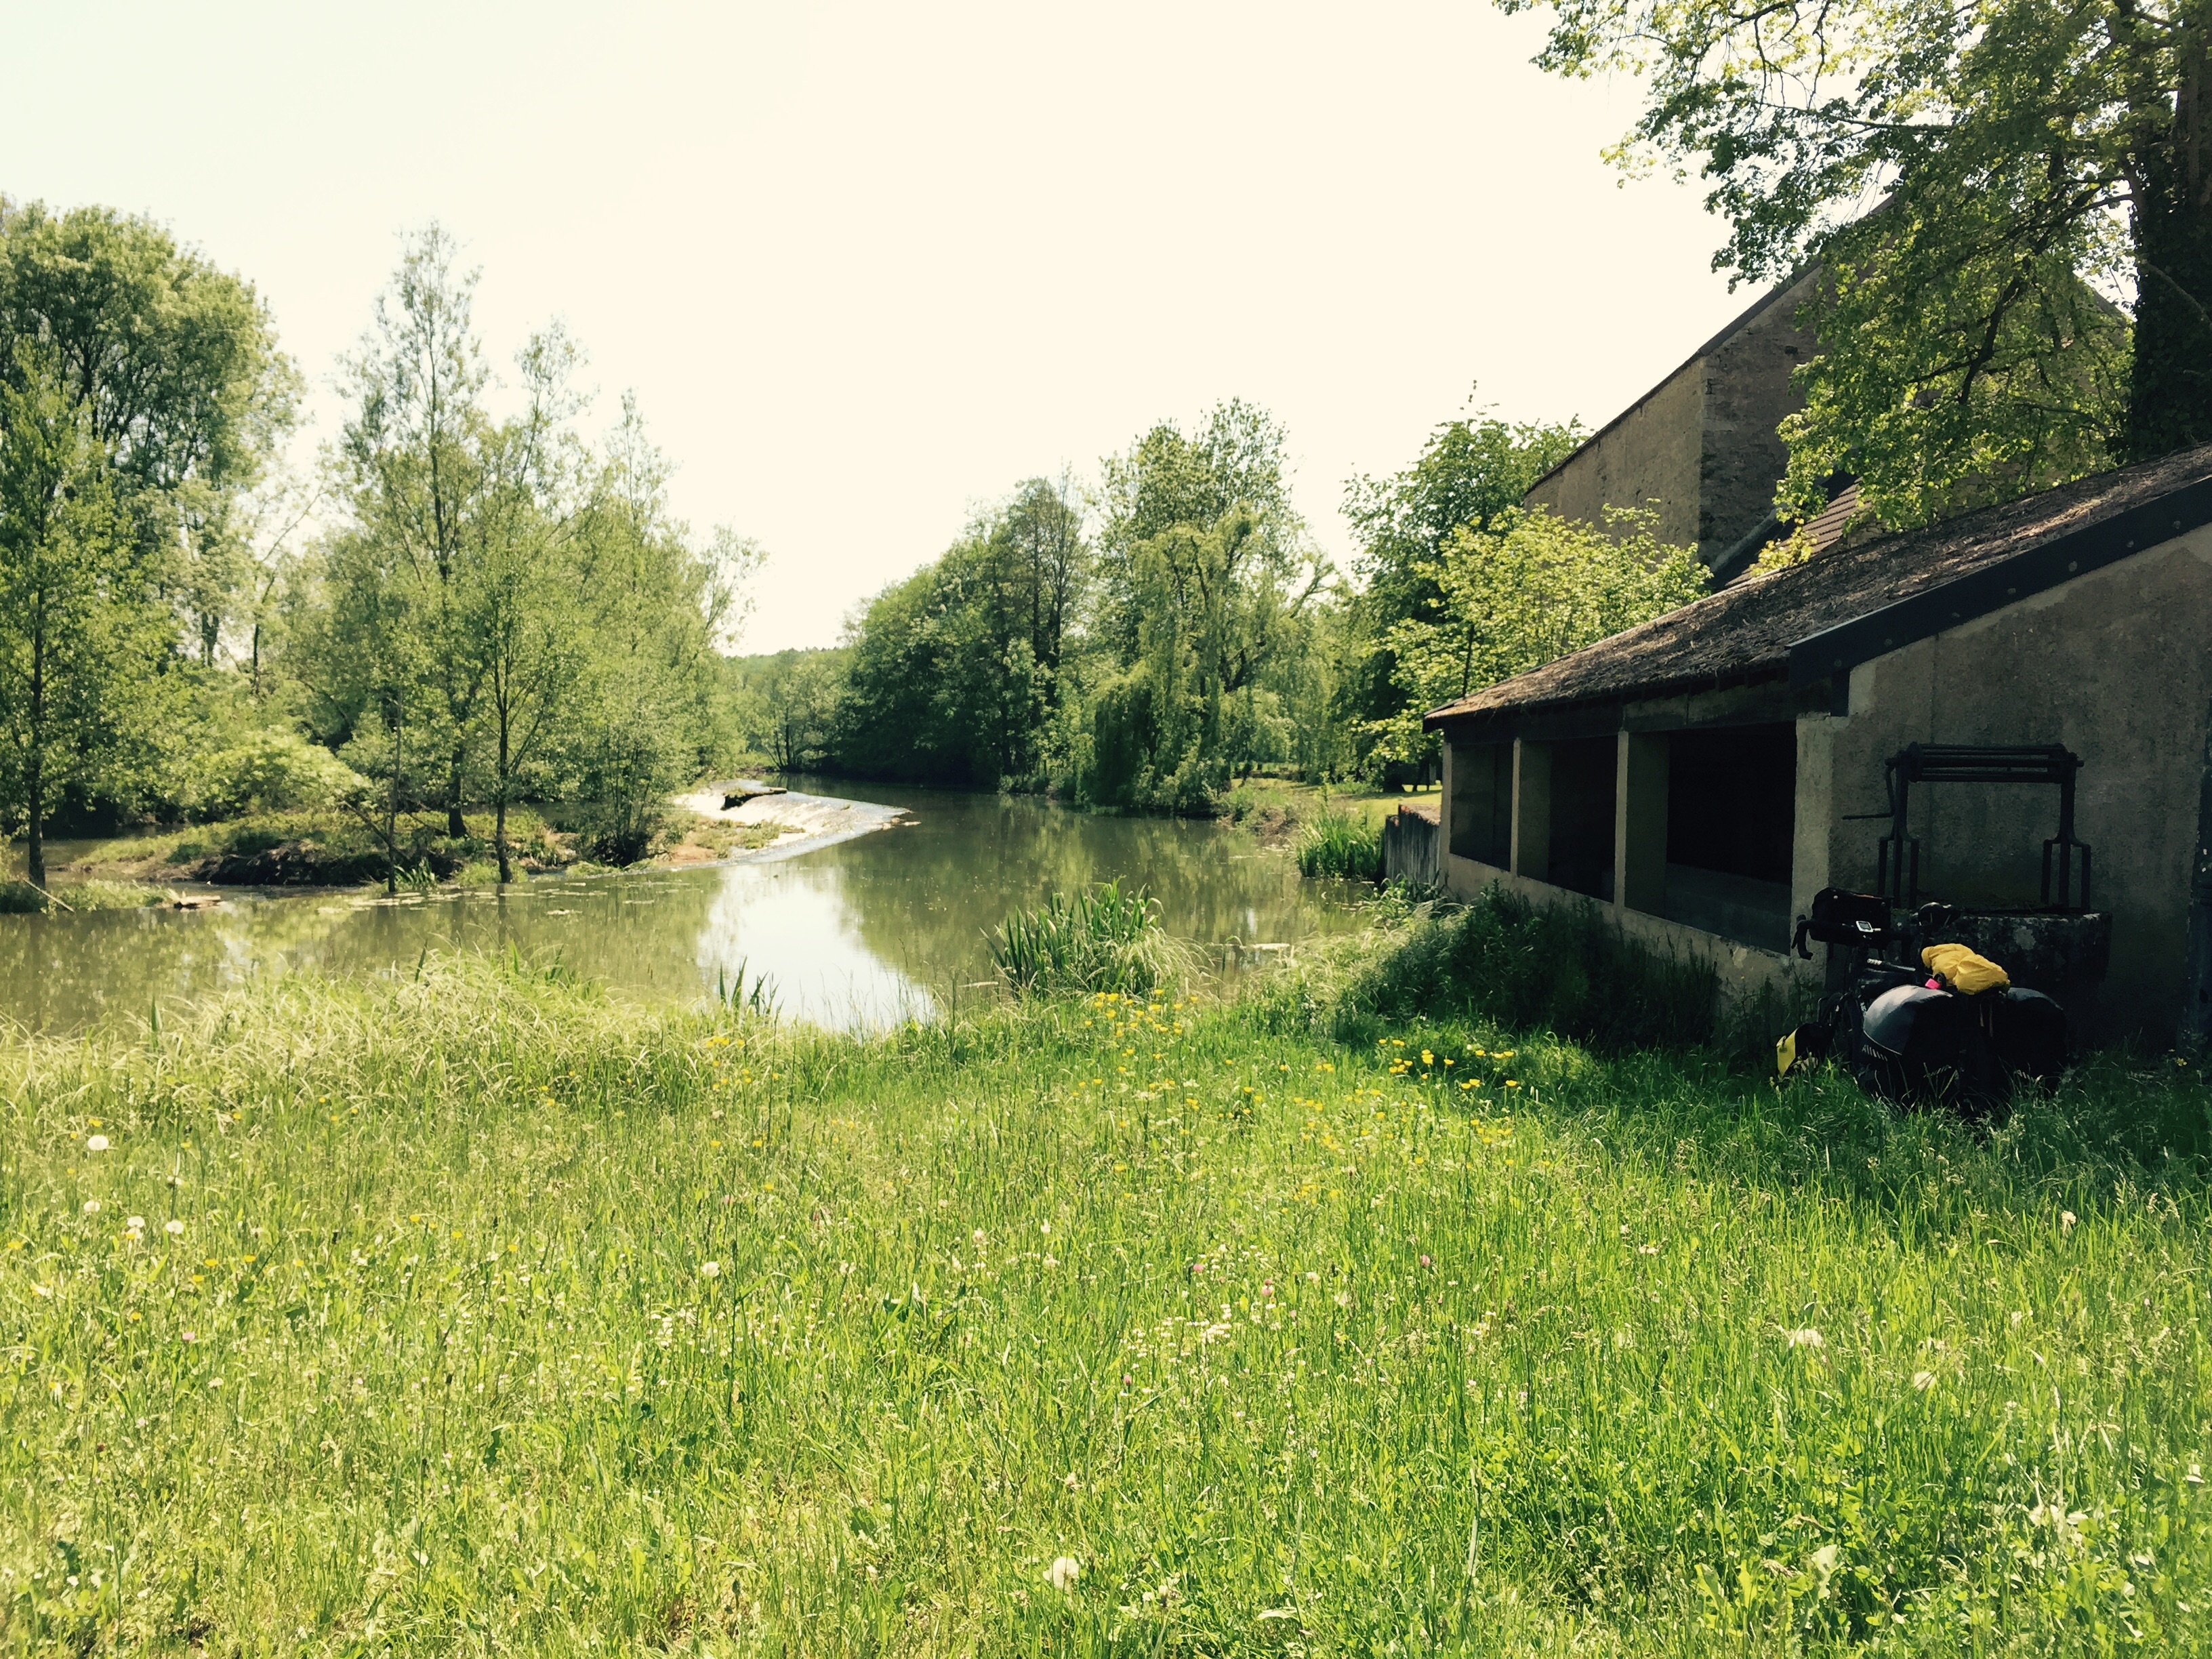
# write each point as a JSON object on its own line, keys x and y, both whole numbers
{"x": 1108, "y": 940}
{"x": 271, "y": 772}
{"x": 1561, "y": 968}
{"x": 1342, "y": 844}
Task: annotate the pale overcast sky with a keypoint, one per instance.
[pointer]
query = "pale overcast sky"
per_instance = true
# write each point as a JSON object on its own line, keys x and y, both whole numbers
{"x": 866, "y": 265}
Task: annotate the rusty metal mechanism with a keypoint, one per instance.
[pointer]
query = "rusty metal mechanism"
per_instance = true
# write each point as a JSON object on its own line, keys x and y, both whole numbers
{"x": 1898, "y": 855}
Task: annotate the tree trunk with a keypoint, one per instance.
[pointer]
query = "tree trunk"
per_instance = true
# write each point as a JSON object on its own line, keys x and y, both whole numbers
{"x": 456, "y": 826}
{"x": 2170, "y": 402}
{"x": 34, "y": 783}
{"x": 499, "y": 811}
{"x": 391, "y": 806}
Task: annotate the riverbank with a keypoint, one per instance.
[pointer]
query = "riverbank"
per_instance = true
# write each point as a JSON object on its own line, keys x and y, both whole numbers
{"x": 330, "y": 849}
{"x": 469, "y": 1306}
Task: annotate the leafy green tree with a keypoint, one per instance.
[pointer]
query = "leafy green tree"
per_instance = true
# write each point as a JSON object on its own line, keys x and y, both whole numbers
{"x": 149, "y": 381}
{"x": 173, "y": 363}
{"x": 792, "y": 705}
{"x": 2033, "y": 161}
{"x": 1470, "y": 472}
{"x": 414, "y": 464}
{"x": 956, "y": 673}
{"x": 1533, "y": 587}
{"x": 82, "y": 628}
{"x": 1208, "y": 582}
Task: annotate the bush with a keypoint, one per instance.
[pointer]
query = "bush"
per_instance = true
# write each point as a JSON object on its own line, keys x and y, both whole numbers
{"x": 1340, "y": 844}
{"x": 1562, "y": 968}
{"x": 1108, "y": 940}
{"x": 269, "y": 772}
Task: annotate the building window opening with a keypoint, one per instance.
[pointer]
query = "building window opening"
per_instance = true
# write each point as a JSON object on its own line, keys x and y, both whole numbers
{"x": 1583, "y": 777}
{"x": 1731, "y": 826}
{"x": 1482, "y": 802}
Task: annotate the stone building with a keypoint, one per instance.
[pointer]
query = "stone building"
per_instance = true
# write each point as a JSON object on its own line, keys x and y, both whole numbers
{"x": 1703, "y": 775}
{"x": 1700, "y": 448}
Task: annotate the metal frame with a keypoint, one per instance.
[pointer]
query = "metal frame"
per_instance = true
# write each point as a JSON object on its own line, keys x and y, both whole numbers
{"x": 1945, "y": 762}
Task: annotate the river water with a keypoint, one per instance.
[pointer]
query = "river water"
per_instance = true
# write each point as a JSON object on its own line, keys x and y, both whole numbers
{"x": 857, "y": 932}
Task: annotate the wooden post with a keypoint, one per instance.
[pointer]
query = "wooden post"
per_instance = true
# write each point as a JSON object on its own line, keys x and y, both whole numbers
{"x": 1532, "y": 809}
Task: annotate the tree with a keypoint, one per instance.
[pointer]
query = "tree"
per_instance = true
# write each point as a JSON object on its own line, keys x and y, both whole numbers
{"x": 1532, "y": 589}
{"x": 2033, "y": 161}
{"x": 957, "y": 672}
{"x": 414, "y": 467}
{"x": 1470, "y": 472}
{"x": 1207, "y": 580}
{"x": 82, "y": 628}
{"x": 150, "y": 392}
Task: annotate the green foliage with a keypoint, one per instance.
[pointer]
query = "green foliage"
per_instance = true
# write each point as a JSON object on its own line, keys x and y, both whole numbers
{"x": 956, "y": 674}
{"x": 2027, "y": 158}
{"x": 22, "y": 898}
{"x": 1560, "y": 968}
{"x": 1469, "y": 473}
{"x": 1345, "y": 845}
{"x": 1696, "y": 1366}
{"x": 1533, "y": 588}
{"x": 266, "y": 772}
{"x": 1102, "y": 941}
{"x": 788, "y": 704}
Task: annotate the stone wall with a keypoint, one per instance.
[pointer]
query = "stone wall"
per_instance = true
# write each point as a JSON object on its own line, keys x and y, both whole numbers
{"x": 1701, "y": 446}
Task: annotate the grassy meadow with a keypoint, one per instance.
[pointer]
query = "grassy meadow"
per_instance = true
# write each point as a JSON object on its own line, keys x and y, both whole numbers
{"x": 469, "y": 1310}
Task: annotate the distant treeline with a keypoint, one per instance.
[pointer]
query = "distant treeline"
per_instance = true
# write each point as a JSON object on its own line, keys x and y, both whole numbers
{"x": 469, "y": 601}
{"x": 1139, "y": 642}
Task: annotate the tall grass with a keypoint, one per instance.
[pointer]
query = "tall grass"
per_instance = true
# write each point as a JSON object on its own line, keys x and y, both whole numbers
{"x": 1345, "y": 845}
{"x": 500, "y": 1316}
{"x": 1103, "y": 940}
{"x": 1559, "y": 968}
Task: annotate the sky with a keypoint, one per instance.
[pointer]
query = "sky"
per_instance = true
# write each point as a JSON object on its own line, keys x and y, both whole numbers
{"x": 868, "y": 266}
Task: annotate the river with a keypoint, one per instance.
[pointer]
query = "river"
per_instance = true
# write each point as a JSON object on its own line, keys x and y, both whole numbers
{"x": 855, "y": 933}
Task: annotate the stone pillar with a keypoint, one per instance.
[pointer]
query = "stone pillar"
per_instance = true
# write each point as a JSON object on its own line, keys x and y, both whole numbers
{"x": 1639, "y": 823}
{"x": 1532, "y": 809}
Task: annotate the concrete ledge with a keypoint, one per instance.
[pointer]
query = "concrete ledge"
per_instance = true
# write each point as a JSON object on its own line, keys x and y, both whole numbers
{"x": 1742, "y": 971}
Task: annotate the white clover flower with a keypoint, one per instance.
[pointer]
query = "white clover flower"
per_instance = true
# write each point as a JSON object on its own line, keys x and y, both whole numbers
{"x": 709, "y": 1269}
{"x": 2066, "y": 1220}
{"x": 95, "y": 1143}
{"x": 1063, "y": 1573}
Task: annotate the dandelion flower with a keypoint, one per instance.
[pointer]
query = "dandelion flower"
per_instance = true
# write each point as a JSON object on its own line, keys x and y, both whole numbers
{"x": 136, "y": 1223}
{"x": 1923, "y": 1380}
{"x": 91, "y": 1206}
{"x": 2066, "y": 1220}
{"x": 95, "y": 1143}
{"x": 1805, "y": 1337}
{"x": 174, "y": 1229}
{"x": 1063, "y": 1573}
{"x": 709, "y": 1269}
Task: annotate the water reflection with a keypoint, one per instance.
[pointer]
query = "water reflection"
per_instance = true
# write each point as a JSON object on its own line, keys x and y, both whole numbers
{"x": 860, "y": 932}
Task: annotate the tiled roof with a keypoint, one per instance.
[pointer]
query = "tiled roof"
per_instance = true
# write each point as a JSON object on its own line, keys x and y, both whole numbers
{"x": 1853, "y": 602}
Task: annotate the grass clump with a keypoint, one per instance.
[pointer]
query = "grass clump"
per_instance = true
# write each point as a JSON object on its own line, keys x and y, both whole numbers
{"x": 471, "y": 1309}
{"x": 1106, "y": 941}
{"x": 22, "y": 898}
{"x": 1345, "y": 845}
{"x": 1502, "y": 960}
